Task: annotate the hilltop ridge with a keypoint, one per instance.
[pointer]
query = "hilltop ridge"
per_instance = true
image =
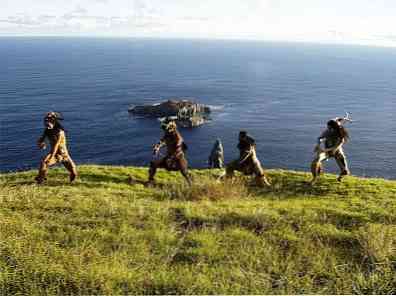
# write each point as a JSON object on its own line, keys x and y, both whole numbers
{"x": 109, "y": 234}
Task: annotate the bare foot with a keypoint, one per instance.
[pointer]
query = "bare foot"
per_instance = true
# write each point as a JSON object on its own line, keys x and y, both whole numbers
{"x": 72, "y": 177}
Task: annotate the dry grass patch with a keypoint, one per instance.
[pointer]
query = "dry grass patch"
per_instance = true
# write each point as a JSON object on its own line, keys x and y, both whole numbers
{"x": 205, "y": 189}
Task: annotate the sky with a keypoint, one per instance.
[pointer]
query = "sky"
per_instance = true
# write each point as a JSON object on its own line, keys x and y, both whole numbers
{"x": 367, "y": 22}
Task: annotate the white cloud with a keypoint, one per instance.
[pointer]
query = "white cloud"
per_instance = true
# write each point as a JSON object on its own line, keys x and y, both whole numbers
{"x": 353, "y": 21}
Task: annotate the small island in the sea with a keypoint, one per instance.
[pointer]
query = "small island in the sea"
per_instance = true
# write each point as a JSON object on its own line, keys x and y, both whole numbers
{"x": 185, "y": 112}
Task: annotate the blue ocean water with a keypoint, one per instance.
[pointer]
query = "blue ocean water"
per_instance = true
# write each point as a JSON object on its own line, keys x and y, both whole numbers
{"x": 281, "y": 93}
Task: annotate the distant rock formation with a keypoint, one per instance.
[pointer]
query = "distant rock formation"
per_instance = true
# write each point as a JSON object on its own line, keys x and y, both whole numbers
{"x": 185, "y": 112}
{"x": 180, "y": 108}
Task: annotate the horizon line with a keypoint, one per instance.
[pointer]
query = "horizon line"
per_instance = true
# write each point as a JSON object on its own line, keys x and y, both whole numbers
{"x": 307, "y": 42}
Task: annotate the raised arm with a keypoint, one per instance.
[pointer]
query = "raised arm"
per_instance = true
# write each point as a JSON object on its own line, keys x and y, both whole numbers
{"x": 158, "y": 146}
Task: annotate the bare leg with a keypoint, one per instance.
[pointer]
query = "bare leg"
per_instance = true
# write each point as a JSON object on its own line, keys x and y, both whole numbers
{"x": 43, "y": 170}
{"x": 316, "y": 166}
{"x": 154, "y": 165}
{"x": 152, "y": 171}
{"x": 262, "y": 180}
{"x": 71, "y": 167}
{"x": 183, "y": 165}
{"x": 315, "y": 170}
{"x": 186, "y": 176}
{"x": 342, "y": 164}
{"x": 320, "y": 169}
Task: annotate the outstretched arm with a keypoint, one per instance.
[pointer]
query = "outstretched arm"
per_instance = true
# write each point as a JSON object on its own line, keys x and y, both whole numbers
{"x": 321, "y": 138}
{"x": 158, "y": 146}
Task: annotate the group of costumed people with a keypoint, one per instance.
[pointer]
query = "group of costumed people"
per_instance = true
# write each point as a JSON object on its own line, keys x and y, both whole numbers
{"x": 333, "y": 139}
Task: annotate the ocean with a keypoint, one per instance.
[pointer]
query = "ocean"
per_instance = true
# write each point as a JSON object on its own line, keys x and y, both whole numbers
{"x": 281, "y": 93}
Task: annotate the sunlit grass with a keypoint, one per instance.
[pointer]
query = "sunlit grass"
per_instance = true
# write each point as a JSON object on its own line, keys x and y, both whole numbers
{"x": 109, "y": 234}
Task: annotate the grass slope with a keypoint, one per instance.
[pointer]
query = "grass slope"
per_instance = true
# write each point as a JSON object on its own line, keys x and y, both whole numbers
{"x": 102, "y": 235}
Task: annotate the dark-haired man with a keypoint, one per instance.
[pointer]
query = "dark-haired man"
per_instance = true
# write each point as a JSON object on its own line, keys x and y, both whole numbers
{"x": 55, "y": 134}
{"x": 247, "y": 163}
{"x": 334, "y": 138}
{"x": 174, "y": 159}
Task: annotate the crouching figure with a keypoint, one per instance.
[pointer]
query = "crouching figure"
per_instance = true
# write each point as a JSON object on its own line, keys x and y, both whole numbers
{"x": 55, "y": 134}
{"x": 174, "y": 159}
{"x": 247, "y": 163}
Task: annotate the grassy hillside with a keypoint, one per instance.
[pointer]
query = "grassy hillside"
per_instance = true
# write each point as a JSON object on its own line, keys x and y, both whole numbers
{"x": 103, "y": 235}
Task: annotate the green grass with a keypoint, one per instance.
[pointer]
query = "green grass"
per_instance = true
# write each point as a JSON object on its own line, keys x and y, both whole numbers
{"x": 103, "y": 235}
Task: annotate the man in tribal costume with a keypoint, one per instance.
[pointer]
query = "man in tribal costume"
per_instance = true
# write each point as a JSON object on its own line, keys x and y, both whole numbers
{"x": 174, "y": 159}
{"x": 247, "y": 163}
{"x": 55, "y": 134}
{"x": 333, "y": 138}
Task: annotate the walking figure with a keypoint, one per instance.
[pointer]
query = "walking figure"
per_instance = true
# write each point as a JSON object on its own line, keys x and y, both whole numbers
{"x": 55, "y": 134}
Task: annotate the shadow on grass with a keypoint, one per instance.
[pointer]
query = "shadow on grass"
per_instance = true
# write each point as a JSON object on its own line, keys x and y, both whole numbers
{"x": 254, "y": 224}
{"x": 19, "y": 183}
{"x": 342, "y": 219}
{"x": 288, "y": 186}
{"x": 103, "y": 178}
{"x": 296, "y": 186}
{"x": 90, "y": 180}
{"x": 186, "y": 223}
{"x": 348, "y": 247}
{"x": 50, "y": 182}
